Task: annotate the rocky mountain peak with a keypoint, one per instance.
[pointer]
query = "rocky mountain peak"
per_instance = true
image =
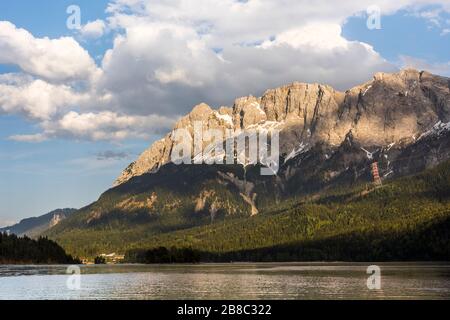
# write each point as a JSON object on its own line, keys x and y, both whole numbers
{"x": 392, "y": 107}
{"x": 200, "y": 112}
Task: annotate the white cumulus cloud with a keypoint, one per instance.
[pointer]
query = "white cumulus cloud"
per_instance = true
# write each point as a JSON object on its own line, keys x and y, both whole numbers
{"x": 170, "y": 55}
{"x": 60, "y": 59}
{"x": 36, "y": 98}
{"x": 98, "y": 126}
{"x": 94, "y": 29}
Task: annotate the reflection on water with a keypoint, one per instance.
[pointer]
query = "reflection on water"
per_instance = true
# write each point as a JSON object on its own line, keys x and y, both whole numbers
{"x": 228, "y": 281}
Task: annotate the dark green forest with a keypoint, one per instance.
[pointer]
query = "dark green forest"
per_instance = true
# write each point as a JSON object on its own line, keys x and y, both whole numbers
{"x": 23, "y": 250}
{"x": 405, "y": 219}
{"x": 163, "y": 255}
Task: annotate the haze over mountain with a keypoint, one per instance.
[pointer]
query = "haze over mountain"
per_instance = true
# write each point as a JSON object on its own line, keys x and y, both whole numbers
{"x": 35, "y": 226}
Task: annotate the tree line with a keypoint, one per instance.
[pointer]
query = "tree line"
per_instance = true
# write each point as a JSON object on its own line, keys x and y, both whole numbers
{"x": 163, "y": 255}
{"x": 24, "y": 250}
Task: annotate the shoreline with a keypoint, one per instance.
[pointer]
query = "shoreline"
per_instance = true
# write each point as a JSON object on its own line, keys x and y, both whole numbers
{"x": 310, "y": 263}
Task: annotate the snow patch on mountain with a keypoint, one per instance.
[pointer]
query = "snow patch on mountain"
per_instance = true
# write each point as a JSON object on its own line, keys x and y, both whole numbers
{"x": 258, "y": 107}
{"x": 438, "y": 129}
{"x": 368, "y": 153}
{"x": 225, "y": 118}
{"x": 367, "y": 90}
{"x": 302, "y": 148}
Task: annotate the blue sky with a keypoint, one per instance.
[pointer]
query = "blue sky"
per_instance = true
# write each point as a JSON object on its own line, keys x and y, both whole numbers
{"x": 36, "y": 178}
{"x": 403, "y": 34}
{"x": 71, "y": 158}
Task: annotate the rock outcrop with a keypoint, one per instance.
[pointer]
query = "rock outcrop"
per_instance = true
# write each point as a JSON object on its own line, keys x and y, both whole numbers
{"x": 388, "y": 109}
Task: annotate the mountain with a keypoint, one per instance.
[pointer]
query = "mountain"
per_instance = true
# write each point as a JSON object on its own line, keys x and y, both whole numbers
{"x": 407, "y": 219}
{"x": 390, "y": 109}
{"x": 33, "y": 227}
{"x": 329, "y": 141}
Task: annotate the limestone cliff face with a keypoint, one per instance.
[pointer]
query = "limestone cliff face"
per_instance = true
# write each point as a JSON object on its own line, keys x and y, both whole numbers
{"x": 388, "y": 109}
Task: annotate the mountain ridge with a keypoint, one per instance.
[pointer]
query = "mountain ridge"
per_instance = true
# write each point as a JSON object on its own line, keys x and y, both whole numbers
{"x": 315, "y": 113}
{"x": 313, "y": 164}
{"x": 36, "y": 225}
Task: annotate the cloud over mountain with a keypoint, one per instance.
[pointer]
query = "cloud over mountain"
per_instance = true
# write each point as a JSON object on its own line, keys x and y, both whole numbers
{"x": 56, "y": 60}
{"x": 170, "y": 55}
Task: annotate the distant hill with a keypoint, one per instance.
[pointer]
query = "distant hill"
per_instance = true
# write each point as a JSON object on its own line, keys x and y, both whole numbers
{"x": 33, "y": 227}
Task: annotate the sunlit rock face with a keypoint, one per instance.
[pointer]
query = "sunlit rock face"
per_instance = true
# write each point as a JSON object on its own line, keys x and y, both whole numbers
{"x": 391, "y": 109}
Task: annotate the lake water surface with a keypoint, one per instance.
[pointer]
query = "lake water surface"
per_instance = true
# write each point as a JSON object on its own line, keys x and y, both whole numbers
{"x": 228, "y": 281}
